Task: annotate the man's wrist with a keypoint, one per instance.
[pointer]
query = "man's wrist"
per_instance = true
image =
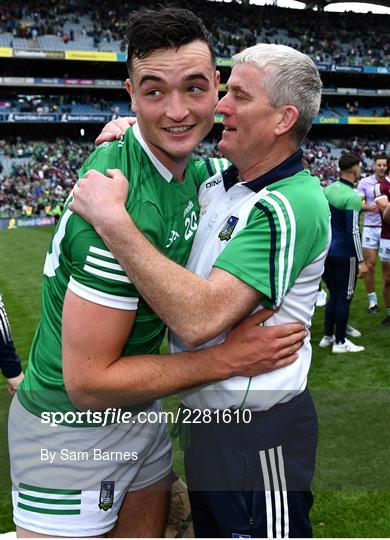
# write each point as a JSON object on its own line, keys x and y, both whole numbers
{"x": 113, "y": 224}
{"x": 224, "y": 361}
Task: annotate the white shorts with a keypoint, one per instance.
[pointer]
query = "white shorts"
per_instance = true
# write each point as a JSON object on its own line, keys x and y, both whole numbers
{"x": 384, "y": 250}
{"x": 371, "y": 237}
{"x": 71, "y": 481}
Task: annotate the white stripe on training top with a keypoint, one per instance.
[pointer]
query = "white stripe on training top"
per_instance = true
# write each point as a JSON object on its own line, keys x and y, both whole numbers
{"x": 292, "y": 237}
{"x": 283, "y": 243}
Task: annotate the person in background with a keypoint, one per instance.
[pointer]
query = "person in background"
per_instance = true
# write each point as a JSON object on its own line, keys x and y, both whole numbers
{"x": 372, "y": 227}
{"x": 10, "y": 364}
{"x": 382, "y": 198}
{"x": 345, "y": 255}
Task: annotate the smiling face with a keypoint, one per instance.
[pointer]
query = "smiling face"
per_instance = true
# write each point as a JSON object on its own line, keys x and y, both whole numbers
{"x": 174, "y": 93}
{"x": 252, "y": 124}
{"x": 249, "y": 117}
{"x": 380, "y": 168}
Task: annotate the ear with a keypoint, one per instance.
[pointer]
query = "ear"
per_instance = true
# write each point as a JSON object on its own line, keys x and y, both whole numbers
{"x": 131, "y": 92}
{"x": 288, "y": 119}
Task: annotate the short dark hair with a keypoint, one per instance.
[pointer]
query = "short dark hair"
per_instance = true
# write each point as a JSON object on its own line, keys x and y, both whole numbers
{"x": 348, "y": 160}
{"x": 163, "y": 28}
{"x": 381, "y": 155}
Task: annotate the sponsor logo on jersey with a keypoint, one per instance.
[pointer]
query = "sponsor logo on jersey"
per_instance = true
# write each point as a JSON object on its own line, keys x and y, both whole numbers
{"x": 174, "y": 236}
{"x": 213, "y": 183}
{"x": 106, "y": 498}
{"x": 228, "y": 228}
{"x": 189, "y": 207}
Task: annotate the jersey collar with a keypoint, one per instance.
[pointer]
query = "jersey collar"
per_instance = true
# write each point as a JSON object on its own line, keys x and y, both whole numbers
{"x": 349, "y": 184}
{"x": 289, "y": 167}
{"x": 165, "y": 173}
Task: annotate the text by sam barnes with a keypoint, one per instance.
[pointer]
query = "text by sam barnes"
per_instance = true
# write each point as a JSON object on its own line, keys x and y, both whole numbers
{"x": 95, "y": 454}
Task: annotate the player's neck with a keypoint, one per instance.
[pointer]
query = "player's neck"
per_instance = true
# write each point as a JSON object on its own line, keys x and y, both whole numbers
{"x": 175, "y": 165}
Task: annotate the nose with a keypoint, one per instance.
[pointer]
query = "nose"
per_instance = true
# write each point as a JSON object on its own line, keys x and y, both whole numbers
{"x": 223, "y": 105}
{"x": 177, "y": 109}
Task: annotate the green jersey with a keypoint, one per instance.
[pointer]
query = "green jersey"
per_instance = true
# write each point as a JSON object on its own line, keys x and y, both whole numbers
{"x": 345, "y": 204}
{"x": 166, "y": 210}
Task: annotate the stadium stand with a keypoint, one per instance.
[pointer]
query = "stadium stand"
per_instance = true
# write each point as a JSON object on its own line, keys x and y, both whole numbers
{"x": 52, "y": 94}
{"x": 37, "y": 176}
{"x": 339, "y": 39}
{"x": 19, "y": 102}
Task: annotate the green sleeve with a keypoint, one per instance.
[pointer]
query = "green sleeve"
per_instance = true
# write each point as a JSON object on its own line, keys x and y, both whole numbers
{"x": 355, "y": 202}
{"x": 104, "y": 157}
{"x": 272, "y": 249}
{"x": 95, "y": 273}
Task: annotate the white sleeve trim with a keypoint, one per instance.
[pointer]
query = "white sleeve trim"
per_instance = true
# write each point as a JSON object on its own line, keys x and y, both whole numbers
{"x": 104, "y": 299}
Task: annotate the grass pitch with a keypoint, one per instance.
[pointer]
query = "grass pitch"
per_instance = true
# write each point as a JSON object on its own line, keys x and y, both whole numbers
{"x": 351, "y": 392}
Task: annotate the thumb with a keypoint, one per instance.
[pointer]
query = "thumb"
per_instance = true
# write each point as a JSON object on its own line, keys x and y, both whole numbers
{"x": 114, "y": 173}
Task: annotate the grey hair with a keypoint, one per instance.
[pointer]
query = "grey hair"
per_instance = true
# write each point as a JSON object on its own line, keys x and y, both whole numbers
{"x": 291, "y": 79}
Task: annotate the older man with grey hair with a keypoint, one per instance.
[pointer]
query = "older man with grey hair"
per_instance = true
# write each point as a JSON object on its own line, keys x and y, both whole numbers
{"x": 262, "y": 240}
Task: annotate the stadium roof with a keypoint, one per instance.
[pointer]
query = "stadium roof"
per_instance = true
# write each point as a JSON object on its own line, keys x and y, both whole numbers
{"x": 323, "y": 3}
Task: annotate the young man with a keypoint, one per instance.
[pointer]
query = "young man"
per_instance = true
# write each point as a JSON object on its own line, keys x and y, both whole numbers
{"x": 382, "y": 198}
{"x": 372, "y": 228}
{"x": 262, "y": 238}
{"x": 345, "y": 254}
{"x": 95, "y": 348}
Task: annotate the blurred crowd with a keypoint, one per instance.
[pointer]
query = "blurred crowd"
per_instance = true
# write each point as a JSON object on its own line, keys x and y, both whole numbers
{"x": 85, "y": 102}
{"x": 321, "y": 157}
{"x": 36, "y": 177}
{"x": 337, "y": 39}
{"x": 67, "y": 103}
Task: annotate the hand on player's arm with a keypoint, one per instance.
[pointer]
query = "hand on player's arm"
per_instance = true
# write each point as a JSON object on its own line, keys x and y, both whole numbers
{"x": 370, "y": 208}
{"x": 96, "y": 376}
{"x": 13, "y": 383}
{"x": 96, "y": 192}
{"x": 115, "y": 129}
